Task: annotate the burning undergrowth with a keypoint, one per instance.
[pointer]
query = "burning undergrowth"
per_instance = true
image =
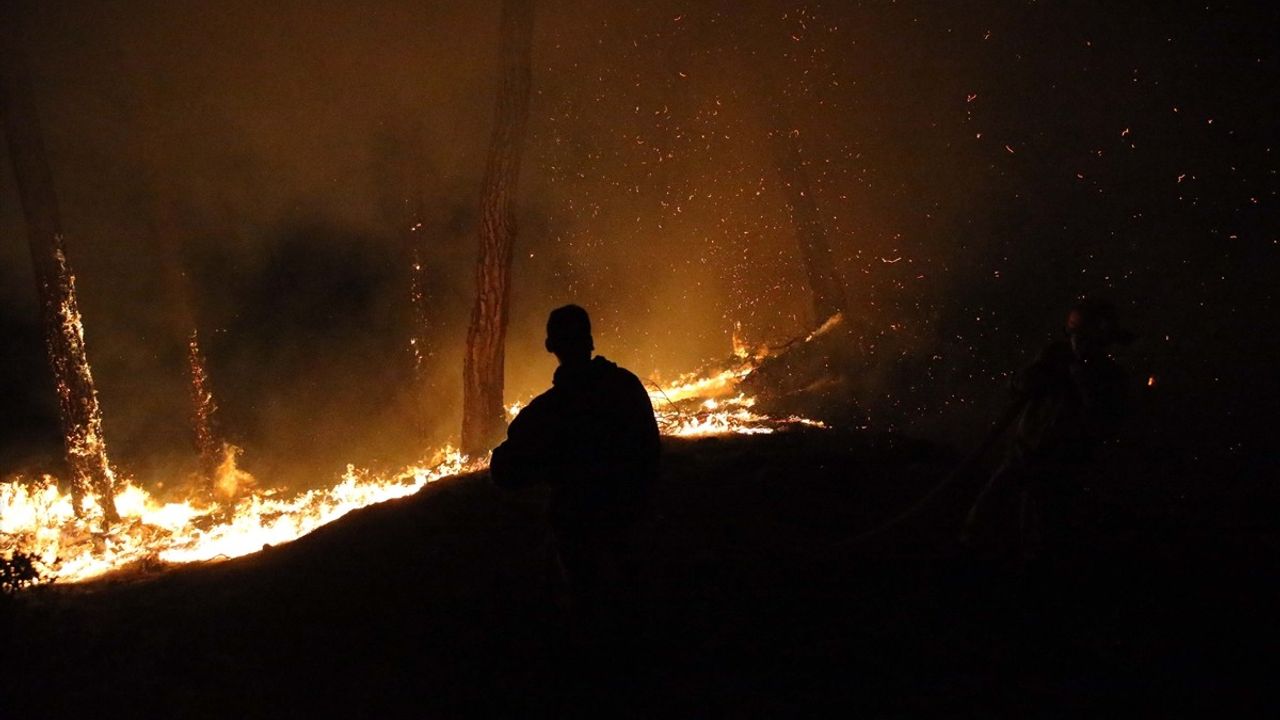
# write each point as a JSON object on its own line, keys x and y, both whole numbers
{"x": 239, "y": 514}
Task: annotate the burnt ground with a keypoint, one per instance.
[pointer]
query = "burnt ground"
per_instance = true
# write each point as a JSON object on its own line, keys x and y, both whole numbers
{"x": 1160, "y": 599}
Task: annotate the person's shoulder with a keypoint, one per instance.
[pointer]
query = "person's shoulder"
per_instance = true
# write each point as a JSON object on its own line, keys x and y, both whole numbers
{"x": 545, "y": 398}
{"x": 539, "y": 405}
{"x": 619, "y": 374}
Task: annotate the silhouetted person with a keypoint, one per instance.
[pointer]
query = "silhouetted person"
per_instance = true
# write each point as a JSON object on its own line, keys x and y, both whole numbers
{"x": 593, "y": 438}
{"x": 1069, "y": 406}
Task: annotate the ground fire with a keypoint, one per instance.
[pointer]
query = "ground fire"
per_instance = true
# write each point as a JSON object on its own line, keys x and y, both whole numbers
{"x": 39, "y": 520}
{"x": 327, "y": 328}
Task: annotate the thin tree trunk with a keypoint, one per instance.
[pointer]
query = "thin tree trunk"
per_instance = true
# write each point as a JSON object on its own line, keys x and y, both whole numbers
{"x": 482, "y": 411}
{"x": 167, "y": 233}
{"x": 204, "y": 429}
{"x": 205, "y": 434}
{"x": 421, "y": 332}
{"x": 404, "y": 170}
{"x": 811, "y": 233}
{"x": 86, "y": 449}
{"x": 407, "y": 167}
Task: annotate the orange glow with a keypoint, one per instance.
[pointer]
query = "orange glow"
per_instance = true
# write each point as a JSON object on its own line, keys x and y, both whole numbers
{"x": 243, "y": 516}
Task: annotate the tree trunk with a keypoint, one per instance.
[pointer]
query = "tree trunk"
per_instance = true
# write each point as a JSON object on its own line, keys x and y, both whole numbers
{"x": 482, "y": 411}
{"x": 811, "y": 234}
{"x": 86, "y": 449}
{"x": 205, "y": 434}
{"x": 167, "y": 233}
{"x": 406, "y": 175}
{"x": 421, "y": 333}
{"x": 208, "y": 440}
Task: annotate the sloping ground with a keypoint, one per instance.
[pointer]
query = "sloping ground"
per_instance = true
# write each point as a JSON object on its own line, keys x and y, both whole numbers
{"x": 443, "y": 604}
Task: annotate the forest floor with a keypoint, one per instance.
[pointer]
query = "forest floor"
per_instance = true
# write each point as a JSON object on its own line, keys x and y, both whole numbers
{"x": 1161, "y": 599}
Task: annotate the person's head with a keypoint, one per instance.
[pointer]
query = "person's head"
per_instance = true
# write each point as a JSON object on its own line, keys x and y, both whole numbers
{"x": 1093, "y": 325}
{"x": 569, "y": 334}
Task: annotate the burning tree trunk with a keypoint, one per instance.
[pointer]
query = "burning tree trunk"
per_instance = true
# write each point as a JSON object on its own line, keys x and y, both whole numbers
{"x": 482, "y": 415}
{"x": 414, "y": 236}
{"x": 206, "y": 437}
{"x": 421, "y": 317}
{"x": 811, "y": 233}
{"x": 86, "y": 448}
{"x": 167, "y": 233}
{"x": 208, "y": 440}
{"x": 405, "y": 169}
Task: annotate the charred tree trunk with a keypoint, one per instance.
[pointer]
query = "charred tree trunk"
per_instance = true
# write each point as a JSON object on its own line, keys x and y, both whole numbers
{"x": 811, "y": 234}
{"x": 81, "y": 417}
{"x": 482, "y": 412}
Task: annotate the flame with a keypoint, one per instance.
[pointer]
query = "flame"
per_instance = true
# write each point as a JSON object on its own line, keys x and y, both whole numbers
{"x": 37, "y": 518}
{"x": 740, "y": 349}
{"x": 514, "y": 409}
{"x": 733, "y": 415}
{"x": 241, "y": 516}
{"x": 230, "y": 481}
{"x": 695, "y": 405}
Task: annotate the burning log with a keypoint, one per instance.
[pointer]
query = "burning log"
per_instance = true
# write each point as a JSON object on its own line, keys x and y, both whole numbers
{"x": 81, "y": 417}
{"x": 813, "y": 375}
{"x": 482, "y": 408}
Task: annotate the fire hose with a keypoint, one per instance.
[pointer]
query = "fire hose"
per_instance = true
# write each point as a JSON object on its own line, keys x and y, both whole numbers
{"x": 997, "y": 431}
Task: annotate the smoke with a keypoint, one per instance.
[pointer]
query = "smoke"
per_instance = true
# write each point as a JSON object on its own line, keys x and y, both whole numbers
{"x": 973, "y": 167}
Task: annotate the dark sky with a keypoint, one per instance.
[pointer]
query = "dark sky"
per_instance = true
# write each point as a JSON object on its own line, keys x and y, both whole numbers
{"x": 978, "y": 164}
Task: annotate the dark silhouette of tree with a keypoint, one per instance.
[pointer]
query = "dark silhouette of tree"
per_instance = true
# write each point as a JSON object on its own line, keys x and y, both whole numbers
{"x": 86, "y": 450}
{"x": 406, "y": 179}
{"x": 811, "y": 233}
{"x": 169, "y": 232}
{"x": 482, "y": 411}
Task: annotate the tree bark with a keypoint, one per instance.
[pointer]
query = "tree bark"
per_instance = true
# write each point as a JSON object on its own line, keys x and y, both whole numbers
{"x": 81, "y": 417}
{"x": 482, "y": 411}
{"x": 811, "y": 234}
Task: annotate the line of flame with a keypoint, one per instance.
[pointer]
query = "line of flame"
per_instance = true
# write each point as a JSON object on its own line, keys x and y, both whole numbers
{"x": 38, "y": 519}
